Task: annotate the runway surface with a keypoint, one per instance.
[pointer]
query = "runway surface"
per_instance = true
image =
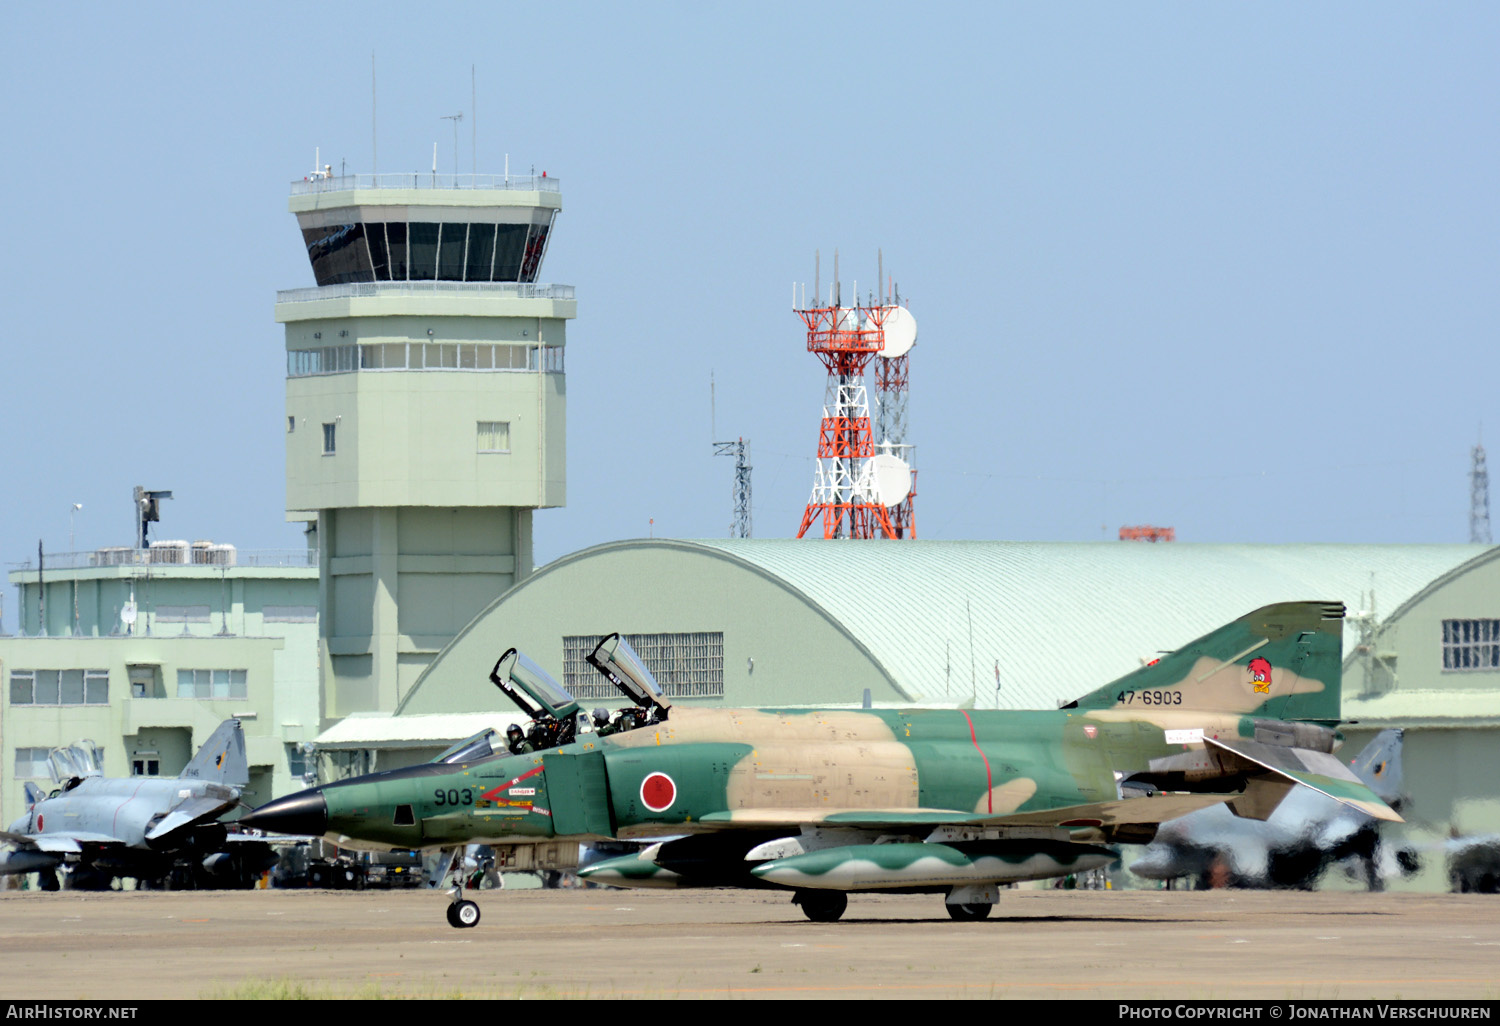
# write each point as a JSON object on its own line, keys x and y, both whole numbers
{"x": 694, "y": 944}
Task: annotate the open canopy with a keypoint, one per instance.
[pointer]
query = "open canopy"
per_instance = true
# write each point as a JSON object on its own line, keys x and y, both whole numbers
{"x": 532, "y": 688}
{"x": 614, "y": 658}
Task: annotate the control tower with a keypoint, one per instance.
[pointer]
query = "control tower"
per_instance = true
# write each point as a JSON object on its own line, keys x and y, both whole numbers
{"x": 424, "y": 410}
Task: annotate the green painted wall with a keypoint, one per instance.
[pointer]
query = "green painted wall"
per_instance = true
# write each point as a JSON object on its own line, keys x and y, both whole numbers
{"x": 779, "y": 649}
{"x": 400, "y": 583}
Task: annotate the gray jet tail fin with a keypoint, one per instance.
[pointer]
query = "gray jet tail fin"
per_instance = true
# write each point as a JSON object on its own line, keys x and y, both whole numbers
{"x": 1379, "y": 765}
{"x": 33, "y": 793}
{"x": 222, "y": 759}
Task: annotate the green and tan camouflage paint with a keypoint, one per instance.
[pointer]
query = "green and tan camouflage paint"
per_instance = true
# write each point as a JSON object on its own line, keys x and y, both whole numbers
{"x": 895, "y": 776}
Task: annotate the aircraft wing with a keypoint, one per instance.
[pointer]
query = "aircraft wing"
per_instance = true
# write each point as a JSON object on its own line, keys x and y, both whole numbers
{"x": 189, "y": 812}
{"x": 1318, "y": 770}
{"x": 58, "y": 843}
{"x": 1155, "y": 809}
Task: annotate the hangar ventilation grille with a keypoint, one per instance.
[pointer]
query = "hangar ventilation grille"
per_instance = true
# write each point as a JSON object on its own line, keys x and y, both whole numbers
{"x": 687, "y": 665}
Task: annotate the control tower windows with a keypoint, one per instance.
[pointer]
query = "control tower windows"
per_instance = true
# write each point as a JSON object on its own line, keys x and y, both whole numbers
{"x": 425, "y": 251}
{"x": 423, "y": 244}
{"x": 379, "y": 255}
{"x": 451, "y": 252}
{"x": 395, "y": 234}
{"x": 385, "y": 356}
{"x": 481, "y": 252}
{"x": 338, "y": 254}
{"x": 536, "y": 244}
{"x": 441, "y": 356}
{"x": 510, "y": 243}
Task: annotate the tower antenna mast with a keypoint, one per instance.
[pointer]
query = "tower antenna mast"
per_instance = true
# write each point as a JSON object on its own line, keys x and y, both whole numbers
{"x": 1479, "y": 498}
{"x": 455, "y": 118}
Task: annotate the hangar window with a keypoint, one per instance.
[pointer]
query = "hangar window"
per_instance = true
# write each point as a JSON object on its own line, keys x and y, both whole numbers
{"x": 1471, "y": 645}
{"x": 686, "y": 665}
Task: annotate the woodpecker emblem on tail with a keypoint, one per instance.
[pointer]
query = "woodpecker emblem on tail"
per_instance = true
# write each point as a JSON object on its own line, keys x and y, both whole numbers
{"x": 1260, "y": 675}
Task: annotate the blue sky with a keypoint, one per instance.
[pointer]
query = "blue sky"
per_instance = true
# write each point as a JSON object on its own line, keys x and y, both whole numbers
{"x": 1226, "y": 267}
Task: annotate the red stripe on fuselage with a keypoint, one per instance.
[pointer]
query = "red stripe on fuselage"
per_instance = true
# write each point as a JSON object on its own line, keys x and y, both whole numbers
{"x": 494, "y": 792}
{"x": 114, "y": 823}
{"x": 989, "y": 780}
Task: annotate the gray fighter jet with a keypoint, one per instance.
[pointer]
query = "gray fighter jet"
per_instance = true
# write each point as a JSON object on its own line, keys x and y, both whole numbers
{"x": 163, "y": 832}
{"x": 1306, "y": 835}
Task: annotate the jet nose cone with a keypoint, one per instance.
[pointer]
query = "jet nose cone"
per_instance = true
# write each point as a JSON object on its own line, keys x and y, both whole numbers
{"x": 303, "y": 813}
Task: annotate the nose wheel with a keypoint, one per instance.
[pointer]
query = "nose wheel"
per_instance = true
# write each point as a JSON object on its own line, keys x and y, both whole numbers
{"x": 463, "y": 914}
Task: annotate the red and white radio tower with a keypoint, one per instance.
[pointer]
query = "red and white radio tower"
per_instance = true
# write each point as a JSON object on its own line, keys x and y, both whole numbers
{"x": 856, "y": 487}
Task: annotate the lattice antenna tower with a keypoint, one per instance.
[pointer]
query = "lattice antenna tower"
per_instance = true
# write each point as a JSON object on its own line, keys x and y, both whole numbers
{"x": 1479, "y": 498}
{"x": 854, "y": 485}
{"x": 741, "y": 526}
{"x": 892, "y": 374}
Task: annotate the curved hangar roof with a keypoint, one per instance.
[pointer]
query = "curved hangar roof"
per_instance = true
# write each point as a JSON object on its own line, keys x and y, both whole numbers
{"x": 919, "y": 622}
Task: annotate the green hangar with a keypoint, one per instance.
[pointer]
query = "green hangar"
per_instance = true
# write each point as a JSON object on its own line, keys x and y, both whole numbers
{"x": 985, "y": 624}
{"x": 1009, "y": 625}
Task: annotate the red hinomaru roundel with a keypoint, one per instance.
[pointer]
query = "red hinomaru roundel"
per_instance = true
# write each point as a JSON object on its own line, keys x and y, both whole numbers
{"x": 658, "y": 792}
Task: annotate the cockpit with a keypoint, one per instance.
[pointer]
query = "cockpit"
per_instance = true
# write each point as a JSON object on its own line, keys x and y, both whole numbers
{"x": 471, "y": 749}
{"x": 556, "y": 716}
{"x": 72, "y": 764}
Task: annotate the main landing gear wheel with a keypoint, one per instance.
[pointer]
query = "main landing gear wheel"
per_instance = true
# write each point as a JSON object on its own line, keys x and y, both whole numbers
{"x": 970, "y": 913}
{"x": 463, "y": 914}
{"x": 822, "y": 906}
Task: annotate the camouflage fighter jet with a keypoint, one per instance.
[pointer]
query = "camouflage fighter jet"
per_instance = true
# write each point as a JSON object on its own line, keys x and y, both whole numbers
{"x": 823, "y": 803}
{"x": 97, "y": 828}
{"x": 1307, "y": 834}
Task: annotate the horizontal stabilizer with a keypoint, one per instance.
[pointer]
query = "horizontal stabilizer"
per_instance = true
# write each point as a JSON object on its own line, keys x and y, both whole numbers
{"x": 188, "y": 813}
{"x": 1320, "y": 771}
{"x": 1157, "y": 808}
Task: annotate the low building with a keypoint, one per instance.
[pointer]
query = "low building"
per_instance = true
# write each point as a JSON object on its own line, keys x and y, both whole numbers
{"x": 146, "y": 651}
{"x": 1432, "y": 666}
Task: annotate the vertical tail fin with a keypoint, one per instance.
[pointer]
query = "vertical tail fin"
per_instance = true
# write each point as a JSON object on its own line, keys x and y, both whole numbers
{"x": 1282, "y": 662}
{"x": 222, "y": 760}
{"x": 1379, "y": 765}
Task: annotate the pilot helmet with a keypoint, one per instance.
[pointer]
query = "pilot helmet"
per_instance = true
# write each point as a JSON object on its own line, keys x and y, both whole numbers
{"x": 514, "y": 730}
{"x": 601, "y": 717}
